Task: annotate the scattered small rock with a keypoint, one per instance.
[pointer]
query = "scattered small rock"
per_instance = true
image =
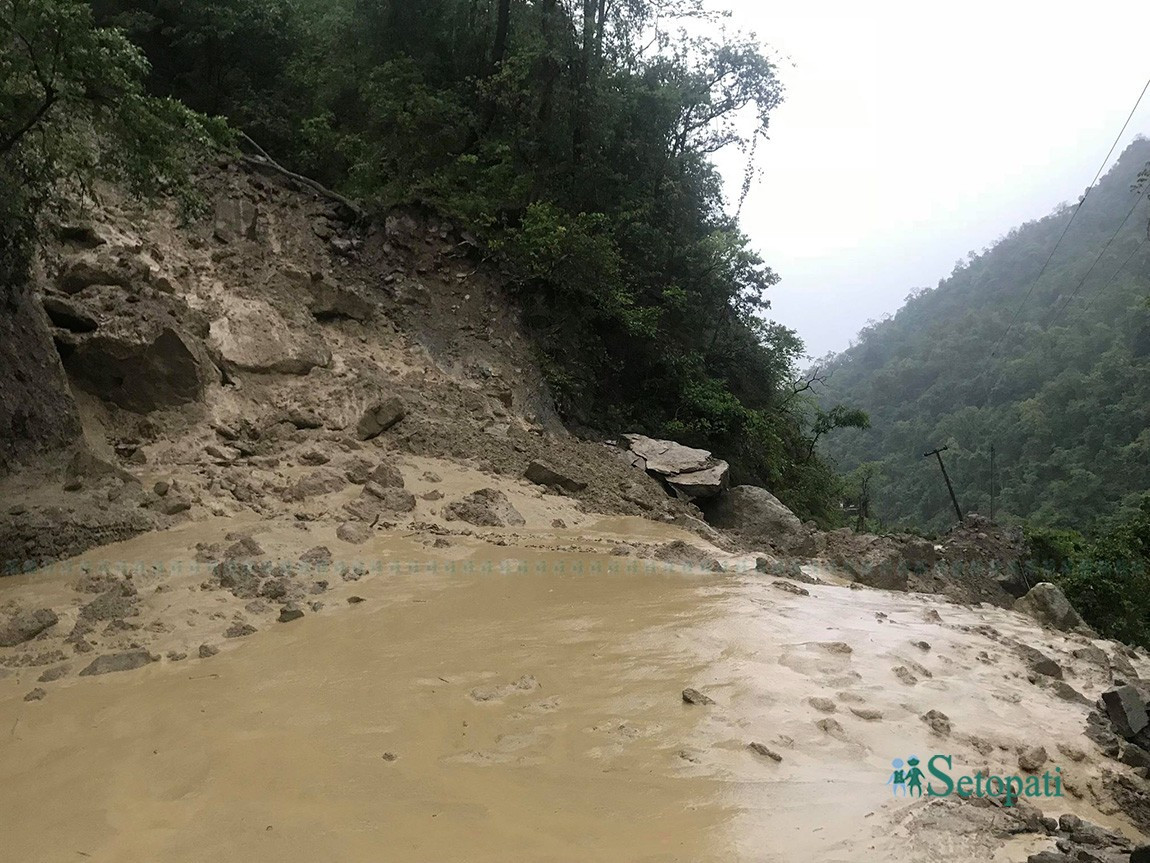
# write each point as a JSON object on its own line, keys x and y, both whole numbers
{"x": 766, "y": 752}
{"x": 207, "y": 650}
{"x": 287, "y": 615}
{"x": 694, "y": 696}
{"x": 53, "y": 674}
{"x": 353, "y": 532}
{"x": 938, "y": 721}
{"x": 239, "y": 630}
{"x": 36, "y": 694}
{"x": 867, "y": 713}
{"x": 823, "y": 705}
{"x": 791, "y": 588}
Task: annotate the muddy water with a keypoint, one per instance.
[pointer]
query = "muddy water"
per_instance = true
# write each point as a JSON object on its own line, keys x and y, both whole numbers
{"x": 529, "y": 714}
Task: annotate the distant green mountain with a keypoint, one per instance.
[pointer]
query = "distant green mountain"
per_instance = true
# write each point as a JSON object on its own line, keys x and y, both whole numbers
{"x": 1061, "y": 393}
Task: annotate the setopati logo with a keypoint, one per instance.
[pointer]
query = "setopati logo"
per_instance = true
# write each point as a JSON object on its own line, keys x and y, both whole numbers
{"x": 909, "y": 780}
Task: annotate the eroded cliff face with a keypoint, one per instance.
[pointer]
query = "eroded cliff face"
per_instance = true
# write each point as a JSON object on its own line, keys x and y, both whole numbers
{"x": 37, "y": 413}
{"x": 215, "y": 355}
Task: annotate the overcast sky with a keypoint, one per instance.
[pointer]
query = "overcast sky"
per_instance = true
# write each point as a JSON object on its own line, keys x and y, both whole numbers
{"x": 914, "y": 132}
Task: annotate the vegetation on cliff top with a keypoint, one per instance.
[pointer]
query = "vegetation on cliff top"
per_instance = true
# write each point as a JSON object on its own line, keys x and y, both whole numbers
{"x": 573, "y": 138}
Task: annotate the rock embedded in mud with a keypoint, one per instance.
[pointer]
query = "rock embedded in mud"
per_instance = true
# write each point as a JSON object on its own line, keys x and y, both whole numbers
{"x": 868, "y": 714}
{"x": 542, "y": 473}
{"x": 245, "y": 546}
{"x": 26, "y": 625}
{"x": 53, "y": 674}
{"x": 938, "y": 722}
{"x": 112, "y": 662}
{"x": 905, "y": 675}
{"x": 791, "y": 588}
{"x": 1039, "y": 662}
{"x": 486, "y": 507}
{"x": 287, "y": 615}
{"x": 252, "y": 336}
{"x": 317, "y": 482}
{"x": 683, "y": 554}
{"x": 380, "y": 417}
{"x": 1047, "y": 604}
{"x": 239, "y": 630}
{"x": 353, "y": 532}
{"x": 823, "y": 705}
{"x": 319, "y": 556}
{"x": 386, "y": 475}
{"x": 761, "y": 749}
{"x": 1032, "y": 759}
{"x": 207, "y": 650}
{"x": 1126, "y": 710}
{"x": 36, "y": 694}
{"x": 694, "y": 696}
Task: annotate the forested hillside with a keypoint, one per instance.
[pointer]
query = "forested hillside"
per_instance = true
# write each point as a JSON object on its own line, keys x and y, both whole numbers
{"x": 1048, "y": 365}
{"x": 572, "y": 138}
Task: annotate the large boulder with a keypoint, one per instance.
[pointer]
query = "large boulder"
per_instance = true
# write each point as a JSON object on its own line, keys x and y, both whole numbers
{"x": 141, "y": 369}
{"x": 691, "y": 473}
{"x": 235, "y": 219}
{"x": 1047, "y": 604}
{"x": 254, "y": 337}
{"x": 1126, "y": 710}
{"x": 757, "y": 517}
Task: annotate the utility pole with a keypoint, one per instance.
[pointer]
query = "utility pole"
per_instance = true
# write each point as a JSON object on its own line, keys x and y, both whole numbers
{"x": 937, "y": 453}
{"x": 992, "y": 478}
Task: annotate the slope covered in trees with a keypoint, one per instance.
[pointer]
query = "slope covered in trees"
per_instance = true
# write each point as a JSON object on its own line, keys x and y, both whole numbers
{"x": 574, "y": 138}
{"x": 1049, "y": 366}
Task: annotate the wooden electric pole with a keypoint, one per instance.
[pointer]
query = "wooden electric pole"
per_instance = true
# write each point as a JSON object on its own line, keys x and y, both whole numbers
{"x": 937, "y": 453}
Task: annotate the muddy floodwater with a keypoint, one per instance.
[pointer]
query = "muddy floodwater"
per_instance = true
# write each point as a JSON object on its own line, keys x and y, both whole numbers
{"x": 530, "y": 712}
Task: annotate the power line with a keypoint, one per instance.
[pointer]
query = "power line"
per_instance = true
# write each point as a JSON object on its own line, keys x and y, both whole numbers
{"x": 1073, "y": 216}
{"x": 1078, "y": 288}
{"x": 1081, "y": 282}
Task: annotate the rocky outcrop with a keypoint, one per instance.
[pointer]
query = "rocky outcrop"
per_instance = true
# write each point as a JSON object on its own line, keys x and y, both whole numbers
{"x": 37, "y": 412}
{"x": 254, "y": 337}
{"x": 690, "y": 473}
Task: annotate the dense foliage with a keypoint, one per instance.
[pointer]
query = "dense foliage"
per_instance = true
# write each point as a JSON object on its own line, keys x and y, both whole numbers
{"x": 1107, "y": 578}
{"x": 574, "y": 137}
{"x": 1062, "y": 395}
{"x": 74, "y": 109}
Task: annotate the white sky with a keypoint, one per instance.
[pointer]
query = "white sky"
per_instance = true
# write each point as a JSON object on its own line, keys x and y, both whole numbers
{"x": 914, "y": 132}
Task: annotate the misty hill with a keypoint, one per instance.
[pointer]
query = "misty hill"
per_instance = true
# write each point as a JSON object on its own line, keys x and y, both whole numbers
{"x": 1051, "y": 368}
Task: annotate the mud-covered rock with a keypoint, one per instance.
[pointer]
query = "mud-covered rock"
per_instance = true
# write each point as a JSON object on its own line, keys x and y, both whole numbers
{"x": 353, "y": 532}
{"x": 112, "y": 662}
{"x": 26, "y": 625}
{"x": 254, "y": 337}
{"x": 379, "y": 417}
{"x": 486, "y": 507}
{"x": 317, "y": 482}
